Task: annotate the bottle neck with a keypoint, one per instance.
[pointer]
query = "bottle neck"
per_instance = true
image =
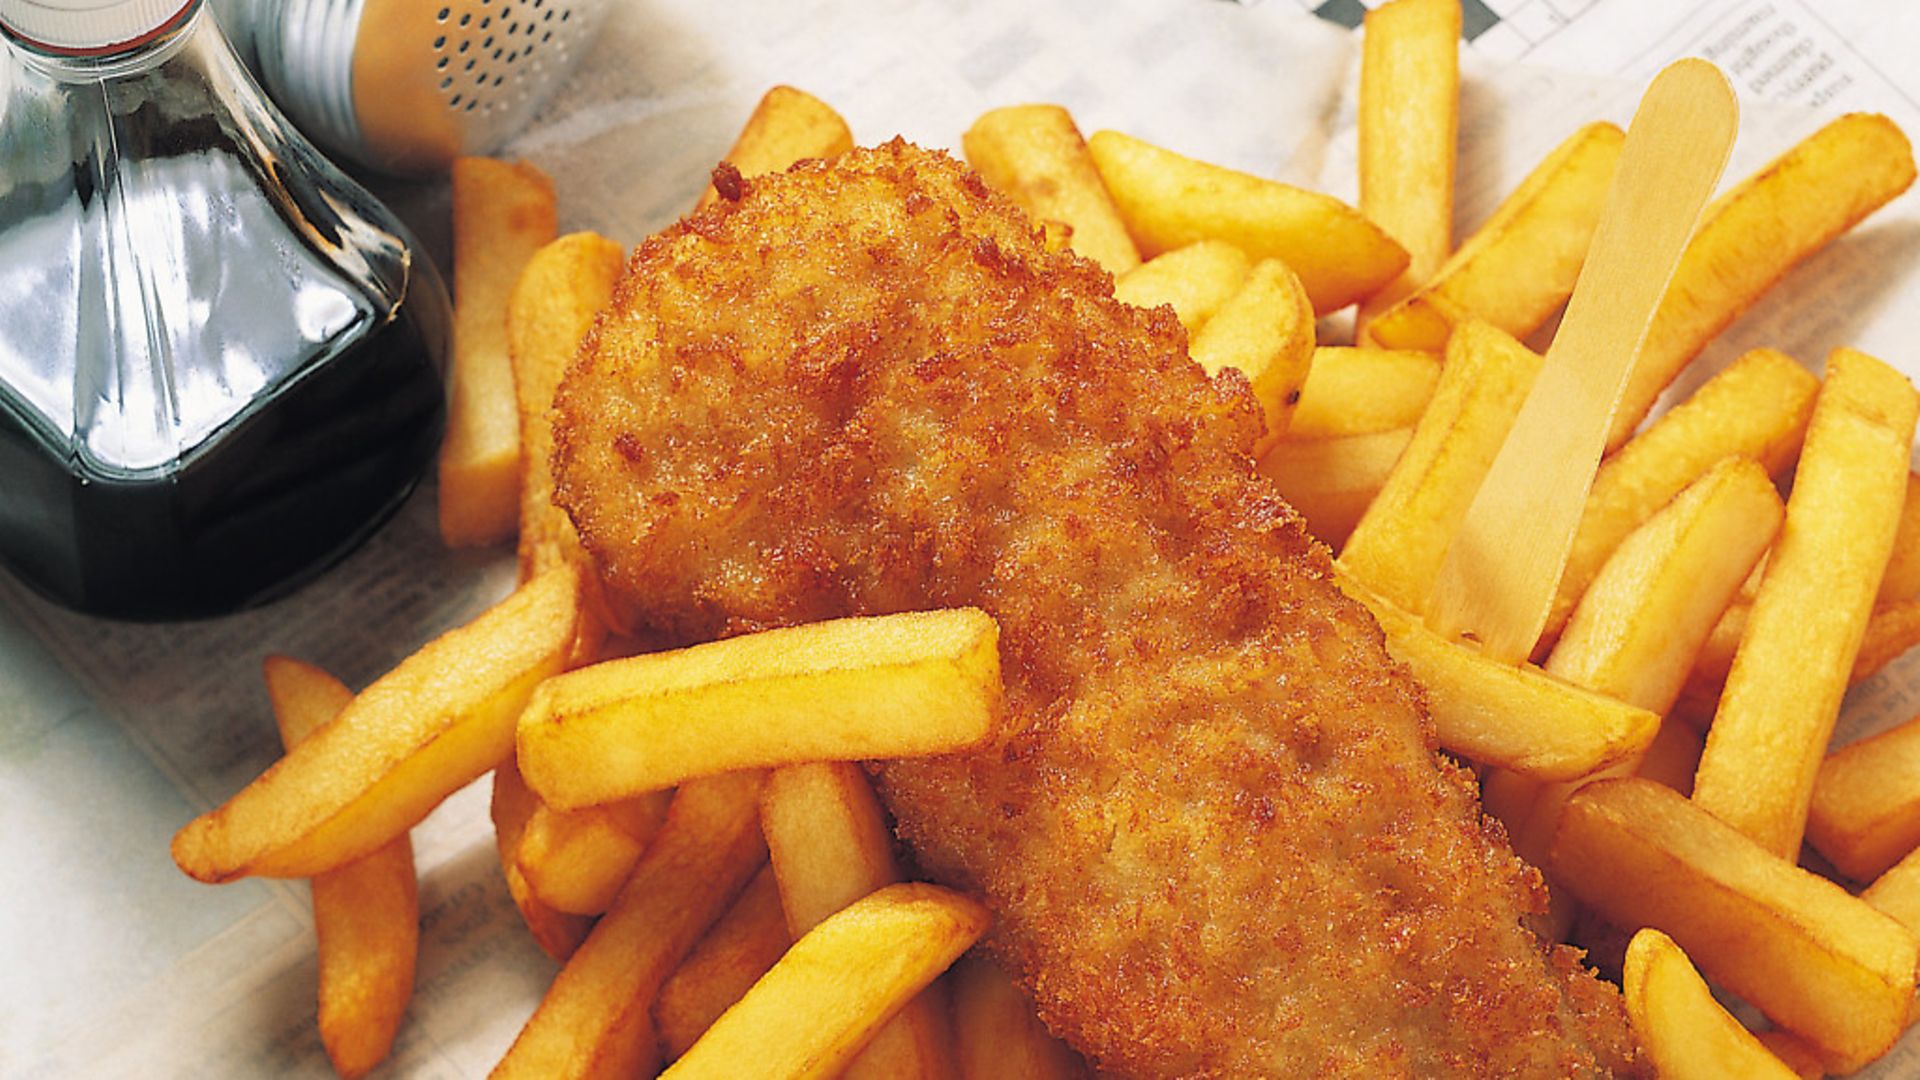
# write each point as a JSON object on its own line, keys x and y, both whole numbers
{"x": 140, "y": 53}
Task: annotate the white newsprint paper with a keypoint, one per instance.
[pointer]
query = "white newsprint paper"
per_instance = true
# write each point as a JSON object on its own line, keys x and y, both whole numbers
{"x": 112, "y": 736}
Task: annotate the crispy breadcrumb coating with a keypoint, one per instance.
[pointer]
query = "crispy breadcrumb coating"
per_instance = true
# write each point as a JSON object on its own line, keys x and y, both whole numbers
{"x": 1216, "y": 835}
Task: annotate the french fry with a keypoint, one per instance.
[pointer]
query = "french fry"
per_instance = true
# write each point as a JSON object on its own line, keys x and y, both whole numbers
{"x": 845, "y": 690}
{"x": 1814, "y": 959}
{"x": 1401, "y": 542}
{"x": 597, "y": 1018}
{"x": 557, "y": 933}
{"x": 1892, "y": 629}
{"x": 552, "y": 307}
{"x": 1897, "y": 892}
{"x": 1265, "y": 331}
{"x": 1638, "y": 627}
{"x": 502, "y": 213}
{"x": 1169, "y": 201}
{"x": 829, "y": 845}
{"x": 1793, "y": 1052}
{"x": 366, "y": 914}
{"x": 1509, "y": 798}
{"x": 576, "y": 860}
{"x": 787, "y": 126}
{"x": 813, "y": 1012}
{"x": 418, "y": 734}
{"x": 827, "y": 839}
{"x": 1409, "y": 122}
{"x": 747, "y": 940}
{"x": 1673, "y": 757}
{"x": 1516, "y": 717}
{"x": 1035, "y": 156}
{"x": 1331, "y": 482}
{"x": 1684, "y": 1030}
{"x": 1783, "y": 694}
{"x": 996, "y": 1031}
{"x": 1758, "y": 407}
{"x": 1902, "y": 580}
{"x": 1520, "y": 266}
{"x": 1362, "y": 391}
{"x": 1865, "y": 814}
{"x": 1195, "y": 280}
{"x": 1751, "y": 236}
{"x": 1635, "y": 633}
{"x": 562, "y": 288}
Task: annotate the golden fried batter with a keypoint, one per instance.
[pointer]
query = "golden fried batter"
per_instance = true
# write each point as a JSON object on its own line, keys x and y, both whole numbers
{"x": 1217, "y": 837}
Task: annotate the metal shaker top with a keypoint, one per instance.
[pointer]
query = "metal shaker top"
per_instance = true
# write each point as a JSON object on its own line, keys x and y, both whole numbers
{"x": 407, "y": 85}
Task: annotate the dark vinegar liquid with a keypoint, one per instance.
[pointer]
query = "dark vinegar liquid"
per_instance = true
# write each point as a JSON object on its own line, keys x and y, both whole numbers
{"x": 282, "y": 492}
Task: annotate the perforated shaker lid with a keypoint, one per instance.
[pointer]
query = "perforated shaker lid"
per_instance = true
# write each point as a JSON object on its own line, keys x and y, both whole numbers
{"x": 87, "y": 26}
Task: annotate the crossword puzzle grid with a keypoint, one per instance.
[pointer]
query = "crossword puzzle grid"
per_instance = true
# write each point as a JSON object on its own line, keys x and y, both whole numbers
{"x": 1507, "y": 29}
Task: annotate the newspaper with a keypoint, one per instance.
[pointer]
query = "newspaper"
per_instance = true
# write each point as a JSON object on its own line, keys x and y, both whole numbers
{"x": 112, "y": 736}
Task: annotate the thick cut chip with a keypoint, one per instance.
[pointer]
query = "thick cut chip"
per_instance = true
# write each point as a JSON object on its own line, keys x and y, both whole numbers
{"x": 1892, "y": 630}
{"x": 846, "y": 690}
{"x": 810, "y": 1015}
{"x": 827, "y": 839}
{"x": 1409, "y": 123}
{"x": 1331, "y": 482}
{"x": 1902, "y": 580}
{"x": 1514, "y": 716}
{"x": 563, "y": 287}
{"x": 1686, "y": 1032}
{"x": 1637, "y": 630}
{"x": 1751, "y": 236}
{"x": 1170, "y": 201}
{"x": 788, "y": 125}
{"x": 996, "y": 1032}
{"x": 1814, "y": 959}
{"x": 1362, "y": 391}
{"x": 1758, "y": 407}
{"x": 597, "y": 1018}
{"x": 1035, "y": 155}
{"x": 1265, "y": 332}
{"x": 557, "y": 933}
{"x": 1865, "y": 814}
{"x": 1195, "y": 281}
{"x": 1672, "y": 757}
{"x": 502, "y": 213}
{"x": 1783, "y": 694}
{"x": 1897, "y": 892}
{"x": 1794, "y": 1052}
{"x": 366, "y": 914}
{"x": 747, "y": 940}
{"x": 421, "y": 732}
{"x": 829, "y": 844}
{"x": 576, "y": 860}
{"x": 1521, "y": 265}
{"x": 1401, "y": 543}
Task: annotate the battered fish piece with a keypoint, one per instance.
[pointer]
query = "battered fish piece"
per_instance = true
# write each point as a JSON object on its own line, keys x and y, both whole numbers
{"x": 1216, "y": 835}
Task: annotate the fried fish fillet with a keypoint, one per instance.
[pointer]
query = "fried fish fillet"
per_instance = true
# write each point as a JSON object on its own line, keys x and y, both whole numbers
{"x": 1216, "y": 835}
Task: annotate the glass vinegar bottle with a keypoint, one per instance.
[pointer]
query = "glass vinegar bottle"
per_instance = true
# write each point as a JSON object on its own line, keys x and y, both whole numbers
{"x": 219, "y": 356}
